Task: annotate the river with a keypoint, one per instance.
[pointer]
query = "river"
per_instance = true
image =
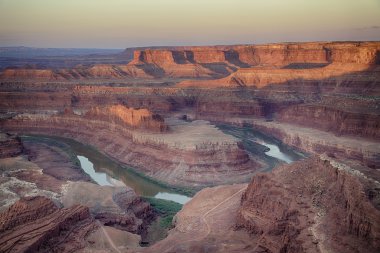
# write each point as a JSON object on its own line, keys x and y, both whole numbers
{"x": 257, "y": 143}
{"x": 105, "y": 171}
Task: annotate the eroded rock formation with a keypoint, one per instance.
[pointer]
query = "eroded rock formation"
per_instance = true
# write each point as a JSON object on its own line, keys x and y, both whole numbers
{"x": 129, "y": 117}
{"x": 37, "y": 224}
{"x": 118, "y": 207}
{"x": 315, "y": 205}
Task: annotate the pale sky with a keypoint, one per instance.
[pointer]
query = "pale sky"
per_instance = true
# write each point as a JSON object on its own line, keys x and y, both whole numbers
{"x": 128, "y": 23}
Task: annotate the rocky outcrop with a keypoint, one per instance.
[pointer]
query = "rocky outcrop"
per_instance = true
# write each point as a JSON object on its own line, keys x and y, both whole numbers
{"x": 326, "y": 76}
{"x": 338, "y": 120}
{"x": 312, "y": 206}
{"x": 10, "y": 145}
{"x": 128, "y": 117}
{"x": 26, "y": 210}
{"x": 36, "y": 224}
{"x": 118, "y": 207}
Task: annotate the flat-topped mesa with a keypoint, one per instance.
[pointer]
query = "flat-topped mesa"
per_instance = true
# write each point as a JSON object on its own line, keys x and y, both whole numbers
{"x": 178, "y": 56}
{"x": 129, "y": 117}
{"x": 270, "y": 54}
{"x": 211, "y": 61}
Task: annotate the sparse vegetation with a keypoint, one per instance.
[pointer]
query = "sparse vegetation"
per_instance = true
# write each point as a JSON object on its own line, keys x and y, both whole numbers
{"x": 166, "y": 209}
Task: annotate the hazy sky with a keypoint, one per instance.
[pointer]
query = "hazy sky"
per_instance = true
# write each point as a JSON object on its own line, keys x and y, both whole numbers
{"x": 126, "y": 23}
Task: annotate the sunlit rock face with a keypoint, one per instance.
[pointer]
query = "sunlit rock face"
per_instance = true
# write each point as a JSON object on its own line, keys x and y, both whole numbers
{"x": 130, "y": 117}
{"x": 215, "y": 62}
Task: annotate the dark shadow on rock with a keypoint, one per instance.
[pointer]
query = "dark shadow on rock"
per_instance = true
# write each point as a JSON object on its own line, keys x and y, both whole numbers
{"x": 221, "y": 69}
{"x": 304, "y": 65}
{"x": 189, "y": 56}
{"x": 233, "y": 57}
{"x": 179, "y": 57}
{"x": 152, "y": 69}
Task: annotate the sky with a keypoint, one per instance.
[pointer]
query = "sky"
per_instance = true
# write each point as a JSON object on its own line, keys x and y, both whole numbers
{"x": 129, "y": 23}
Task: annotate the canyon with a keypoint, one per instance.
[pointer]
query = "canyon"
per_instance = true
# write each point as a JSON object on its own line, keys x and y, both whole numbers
{"x": 193, "y": 119}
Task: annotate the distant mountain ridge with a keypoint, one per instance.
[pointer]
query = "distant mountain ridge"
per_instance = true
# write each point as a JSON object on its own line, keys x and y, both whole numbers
{"x": 27, "y": 52}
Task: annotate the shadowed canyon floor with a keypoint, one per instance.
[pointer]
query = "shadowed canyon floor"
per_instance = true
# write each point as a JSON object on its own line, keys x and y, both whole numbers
{"x": 280, "y": 142}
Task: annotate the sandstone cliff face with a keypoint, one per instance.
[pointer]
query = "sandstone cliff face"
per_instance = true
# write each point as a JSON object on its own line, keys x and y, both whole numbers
{"x": 271, "y": 54}
{"x": 36, "y": 224}
{"x": 207, "y": 62}
{"x": 129, "y": 117}
{"x": 314, "y": 205}
{"x": 328, "y": 118}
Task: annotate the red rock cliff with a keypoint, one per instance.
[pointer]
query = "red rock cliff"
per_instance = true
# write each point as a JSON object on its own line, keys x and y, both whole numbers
{"x": 35, "y": 224}
{"x": 270, "y": 54}
{"x": 135, "y": 118}
{"x": 313, "y": 205}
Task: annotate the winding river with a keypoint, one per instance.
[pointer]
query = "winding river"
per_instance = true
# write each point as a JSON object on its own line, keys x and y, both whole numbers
{"x": 257, "y": 143}
{"x": 105, "y": 171}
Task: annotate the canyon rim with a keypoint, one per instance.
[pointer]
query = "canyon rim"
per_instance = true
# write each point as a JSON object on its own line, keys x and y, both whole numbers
{"x": 250, "y": 145}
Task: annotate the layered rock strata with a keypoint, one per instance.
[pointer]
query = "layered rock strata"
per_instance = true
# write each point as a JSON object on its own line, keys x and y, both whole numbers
{"x": 118, "y": 207}
{"x": 313, "y": 141}
{"x": 316, "y": 205}
{"x": 129, "y": 117}
{"x": 190, "y": 154}
{"x": 206, "y": 62}
{"x": 319, "y": 142}
{"x": 37, "y": 224}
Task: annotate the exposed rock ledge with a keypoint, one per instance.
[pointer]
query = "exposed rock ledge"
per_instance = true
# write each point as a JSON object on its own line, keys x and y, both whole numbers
{"x": 191, "y": 154}
{"x": 37, "y": 224}
{"x": 316, "y": 205}
{"x": 315, "y": 141}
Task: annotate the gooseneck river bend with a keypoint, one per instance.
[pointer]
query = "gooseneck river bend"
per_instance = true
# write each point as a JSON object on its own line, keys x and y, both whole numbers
{"x": 105, "y": 171}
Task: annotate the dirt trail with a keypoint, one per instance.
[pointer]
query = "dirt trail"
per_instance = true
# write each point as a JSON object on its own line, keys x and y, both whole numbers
{"x": 204, "y": 220}
{"x": 108, "y": 238}
{"x": 215, "y": 207}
